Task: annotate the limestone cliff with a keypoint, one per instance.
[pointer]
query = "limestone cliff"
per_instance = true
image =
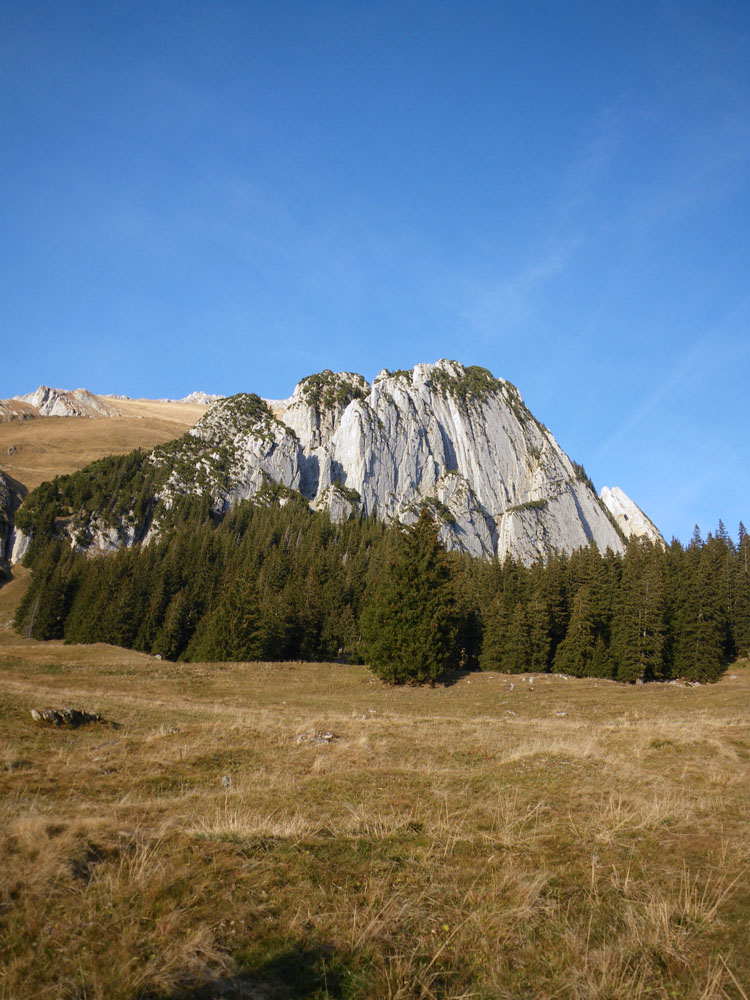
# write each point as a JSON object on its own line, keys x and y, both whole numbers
{"x": 455, "y": 439}
{"x": 630, "y": 518}
{"x": 11, "y": 495}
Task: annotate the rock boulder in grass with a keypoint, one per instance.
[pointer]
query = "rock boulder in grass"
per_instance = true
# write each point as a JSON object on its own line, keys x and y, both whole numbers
{"x": 71, "y": 717}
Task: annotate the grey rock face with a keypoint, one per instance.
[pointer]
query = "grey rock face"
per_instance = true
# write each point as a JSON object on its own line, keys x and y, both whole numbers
{"x": 64, "y": 403}
{"x": 11, "y": 495}
{"x": 455, "y": 439}
{"x": 632, "y": 521}
{"x": 19, "y": 546}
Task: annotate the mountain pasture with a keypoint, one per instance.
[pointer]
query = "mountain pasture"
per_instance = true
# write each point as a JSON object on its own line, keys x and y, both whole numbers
{"x": 38, "y": 449}
{"x": 302, "y": 830}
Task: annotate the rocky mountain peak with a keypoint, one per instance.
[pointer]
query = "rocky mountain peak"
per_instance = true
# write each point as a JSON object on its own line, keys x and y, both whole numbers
{"x": 201, "y": 398}
{"x": 455, "y": 439}
{"x": 50, "y": 402}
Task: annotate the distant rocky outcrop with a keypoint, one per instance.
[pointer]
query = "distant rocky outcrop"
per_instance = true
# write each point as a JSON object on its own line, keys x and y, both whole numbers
{"x": 49, "y": 402}
{"x": 454, "y": 439}
{"x": 197, "y": 398}
{"x": 201, "y": 398}
{"x": 15, "y": 409}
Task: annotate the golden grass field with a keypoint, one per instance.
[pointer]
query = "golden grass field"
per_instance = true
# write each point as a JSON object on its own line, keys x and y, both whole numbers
{"x": 301, "y": 830}
{"x": 32, "y": 451}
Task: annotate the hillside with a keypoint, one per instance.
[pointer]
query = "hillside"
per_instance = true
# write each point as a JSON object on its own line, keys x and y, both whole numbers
{"x": 265, "y": 530}
{"x": 456, "y": 440}
{"x": 38, "y": 448}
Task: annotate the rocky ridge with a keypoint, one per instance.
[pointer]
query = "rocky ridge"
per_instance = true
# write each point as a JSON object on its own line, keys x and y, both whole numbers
{"x": 455, "y": 439}
{"x": 66, "y": 403}
{"x": 15, "y": 409}
{"x": 201, "y": 398}
{"x": 49, "y": 402}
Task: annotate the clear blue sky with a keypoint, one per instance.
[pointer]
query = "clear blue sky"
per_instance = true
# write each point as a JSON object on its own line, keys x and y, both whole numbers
{"x": 231, "y": 195}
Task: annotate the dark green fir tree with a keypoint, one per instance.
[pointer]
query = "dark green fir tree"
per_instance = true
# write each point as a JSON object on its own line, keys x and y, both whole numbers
{"x": 639, "y": 629}
{"x": 741, "y": 608}
{"x": 409, "y": 624}
{"x": 698, "y": 631}
{"x": 582, "y": 652}
{"x": 495, "y": 635}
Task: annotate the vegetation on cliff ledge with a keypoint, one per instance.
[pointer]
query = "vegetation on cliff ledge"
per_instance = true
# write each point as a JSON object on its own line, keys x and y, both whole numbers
{"x": 469, "y": 385}
{"x": 327, "y": 389}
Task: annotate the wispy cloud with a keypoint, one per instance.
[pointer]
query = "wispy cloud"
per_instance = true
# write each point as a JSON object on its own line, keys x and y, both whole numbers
{"x": 590, "y": 166}
{"x": 674, "y": 381}
{"x": 710, "y": 167}
{"x": 510, "y": 299}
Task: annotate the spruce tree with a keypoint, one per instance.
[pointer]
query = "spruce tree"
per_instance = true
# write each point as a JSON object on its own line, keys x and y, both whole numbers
{"x": 741, "y": 608}
{"x": 495, "y": 637}
{"x": 507, "y": 643}
{"x": 408, "y": 625}
{"x": 698, "y": 646}
{"x": 231, "y": 631}
{"x": 550, "y": 581}
{"x": 718, "y": 559}
{"x": 44, "y": 609}
{"x": 518, "y": 649}
{"x": 538, "y": 617}
{"x": 582, "y": 652}
{"x": 640, "y": 620}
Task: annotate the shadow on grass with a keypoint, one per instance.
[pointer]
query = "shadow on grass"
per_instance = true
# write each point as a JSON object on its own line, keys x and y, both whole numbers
{"x": 452, "y": 677}
{"x": 298, "y": 973}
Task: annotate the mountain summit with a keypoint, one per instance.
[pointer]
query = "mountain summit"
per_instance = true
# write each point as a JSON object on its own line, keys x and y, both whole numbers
{"x": 454, "y": 439}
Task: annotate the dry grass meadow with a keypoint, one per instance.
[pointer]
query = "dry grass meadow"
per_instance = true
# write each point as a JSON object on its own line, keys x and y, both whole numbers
{"x": 300, "y": 830}
{"x": 35, "y": 450}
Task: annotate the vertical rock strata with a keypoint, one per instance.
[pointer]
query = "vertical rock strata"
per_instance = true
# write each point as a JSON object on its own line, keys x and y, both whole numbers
{"x": 631, "y": 520}
{"x": 455, "y": 439}
{"x": 11, "y": 496}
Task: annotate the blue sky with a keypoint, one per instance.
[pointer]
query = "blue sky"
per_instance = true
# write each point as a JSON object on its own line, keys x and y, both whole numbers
{"x": 231, "y": 195}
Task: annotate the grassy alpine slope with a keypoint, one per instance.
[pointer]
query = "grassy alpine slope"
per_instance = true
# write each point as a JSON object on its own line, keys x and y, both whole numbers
{"x": 34, "y": 451}
{"x": 295, "y": 830}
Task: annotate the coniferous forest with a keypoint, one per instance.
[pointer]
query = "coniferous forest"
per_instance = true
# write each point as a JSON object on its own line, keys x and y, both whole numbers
{"x": 274, "y": 580}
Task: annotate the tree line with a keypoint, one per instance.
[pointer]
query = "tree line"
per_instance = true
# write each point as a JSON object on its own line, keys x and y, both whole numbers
{"x": 274, "y": 580}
